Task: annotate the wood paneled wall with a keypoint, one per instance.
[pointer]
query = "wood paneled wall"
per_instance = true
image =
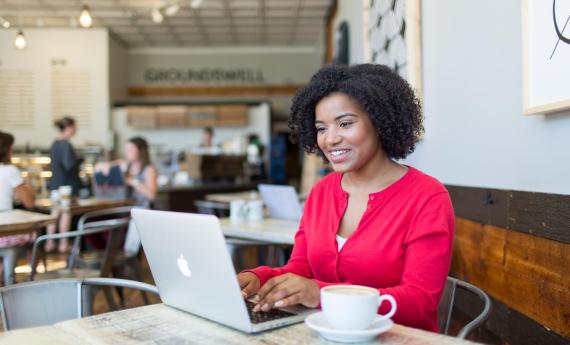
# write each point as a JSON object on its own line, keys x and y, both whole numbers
{"x": 529, "y": 274}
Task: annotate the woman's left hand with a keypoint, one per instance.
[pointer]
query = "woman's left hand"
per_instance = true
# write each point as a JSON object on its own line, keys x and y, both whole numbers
{"x": 287, "y": 290}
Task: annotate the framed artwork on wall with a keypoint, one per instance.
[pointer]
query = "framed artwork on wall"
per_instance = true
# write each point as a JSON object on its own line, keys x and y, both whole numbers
{"x": 393, "y": 37}
{"x": 546, "y": 56}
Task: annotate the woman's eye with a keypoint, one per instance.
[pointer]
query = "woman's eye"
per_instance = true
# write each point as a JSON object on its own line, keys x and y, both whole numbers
{"x": 345, "y": 124}
{"x": 320, "y": 129}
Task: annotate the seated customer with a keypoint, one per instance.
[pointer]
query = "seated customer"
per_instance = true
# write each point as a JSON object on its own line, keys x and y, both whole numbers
{"x": 140, "y": 175}
{"x": 12, "y": 184}
{"x": 372, "y": 221}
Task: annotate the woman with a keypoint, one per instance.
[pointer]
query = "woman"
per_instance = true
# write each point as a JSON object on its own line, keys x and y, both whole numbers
{"x": 12, "y": 185}
{"x": 140, "y": 173}
{"x": 65, "y": 172}
{"x": 373, "y": 221}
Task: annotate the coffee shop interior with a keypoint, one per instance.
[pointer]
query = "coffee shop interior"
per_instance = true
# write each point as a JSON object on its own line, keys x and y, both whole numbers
{"x": 196, "y": 107}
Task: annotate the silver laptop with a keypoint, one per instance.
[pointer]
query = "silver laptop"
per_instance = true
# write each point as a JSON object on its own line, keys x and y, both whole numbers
{"x": 282, "y": 201}
{"x": 193, "y": 271}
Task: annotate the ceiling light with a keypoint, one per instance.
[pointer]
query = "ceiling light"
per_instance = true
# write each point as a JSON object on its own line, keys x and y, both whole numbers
{"x": 85, "y": 18}
{"x": 5, "y": 24}
{"x": 157, "y": 16}
{"x": 195, "y": 3}
{"x": 20, "y": 41}
{"x": 172, "y": 9}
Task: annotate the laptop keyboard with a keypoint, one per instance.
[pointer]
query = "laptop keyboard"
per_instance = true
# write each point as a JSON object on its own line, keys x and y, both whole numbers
{"x": 263, "y": 316}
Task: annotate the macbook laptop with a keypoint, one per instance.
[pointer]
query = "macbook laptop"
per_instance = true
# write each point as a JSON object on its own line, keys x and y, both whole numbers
{"x": 193, "y": 271}
{"x": 282, "y": 201}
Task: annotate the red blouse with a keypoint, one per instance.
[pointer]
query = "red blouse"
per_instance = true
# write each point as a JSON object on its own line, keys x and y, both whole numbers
{"x": 402, "y": 245}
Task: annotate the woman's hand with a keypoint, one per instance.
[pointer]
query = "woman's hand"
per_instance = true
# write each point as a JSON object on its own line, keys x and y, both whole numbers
{"x": 286, "y": 290}
{"x": 248, "y": 283}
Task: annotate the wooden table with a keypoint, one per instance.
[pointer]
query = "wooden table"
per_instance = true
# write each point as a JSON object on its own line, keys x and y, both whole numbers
{"x": 13, "y": 222}
{"x": 81, "y": 206}
{"x": 268, "y": 230}
{"x": 229, "y": 197}
{"x": 160, "y": 324}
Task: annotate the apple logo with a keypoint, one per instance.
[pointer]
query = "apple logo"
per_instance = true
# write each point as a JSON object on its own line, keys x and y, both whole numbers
{"x": 183, "y": 266}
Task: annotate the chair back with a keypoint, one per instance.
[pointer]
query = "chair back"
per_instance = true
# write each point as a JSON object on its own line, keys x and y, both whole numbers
{"x": 116, "y": 229}
{"x": 46, "y": 302}
{"x": 448, "y": 301}
{"x": 87, "y": 220}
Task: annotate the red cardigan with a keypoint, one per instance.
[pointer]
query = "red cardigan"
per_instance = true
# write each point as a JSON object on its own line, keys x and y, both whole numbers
{"x": 402, "y": 245}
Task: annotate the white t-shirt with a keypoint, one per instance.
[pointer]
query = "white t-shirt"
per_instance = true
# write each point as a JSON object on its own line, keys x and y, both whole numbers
{"x": 340, "y": 241}
{"x": 10, "y": 178}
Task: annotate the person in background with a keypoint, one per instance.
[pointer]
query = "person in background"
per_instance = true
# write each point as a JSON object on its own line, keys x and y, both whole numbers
{"x": 139, "y": 173}
{"x": 207, "y": 137}
{"x": 373, "y": 221}
{"x": 12, "y": 185}
{"x": 65, "y": 172}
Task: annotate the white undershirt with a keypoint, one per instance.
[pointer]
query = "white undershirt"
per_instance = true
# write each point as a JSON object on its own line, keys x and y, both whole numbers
{"x": 340, "y": 241}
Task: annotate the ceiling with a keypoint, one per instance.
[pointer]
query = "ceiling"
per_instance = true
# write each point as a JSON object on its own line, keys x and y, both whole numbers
{"x": 214, "y": 23}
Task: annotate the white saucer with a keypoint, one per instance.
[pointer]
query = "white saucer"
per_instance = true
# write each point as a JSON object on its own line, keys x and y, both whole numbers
{"x": 318, "y": 322}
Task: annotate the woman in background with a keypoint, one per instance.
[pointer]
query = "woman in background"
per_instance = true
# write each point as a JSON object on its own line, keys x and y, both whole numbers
{"x": 65, "y": 172}
{"x": 139, "y": 173}
{"x": 12, "y": 185}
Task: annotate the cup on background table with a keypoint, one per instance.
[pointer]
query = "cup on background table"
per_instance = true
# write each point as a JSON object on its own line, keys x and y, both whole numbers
{"x": 238, "y": 211}
{"x": 254, "y": 210}
{"x": 354, "y": 307}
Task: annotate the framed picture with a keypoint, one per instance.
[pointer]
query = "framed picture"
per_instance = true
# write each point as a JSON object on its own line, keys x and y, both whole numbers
{"x": 546, "y": 56}
{"x": 393, "y": 37}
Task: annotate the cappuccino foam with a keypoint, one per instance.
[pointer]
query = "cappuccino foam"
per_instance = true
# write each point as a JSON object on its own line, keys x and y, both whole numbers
{"x": 351, "y": 291}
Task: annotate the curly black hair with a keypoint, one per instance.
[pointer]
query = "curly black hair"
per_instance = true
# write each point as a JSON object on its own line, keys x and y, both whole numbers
{"x": 387, "y": 98}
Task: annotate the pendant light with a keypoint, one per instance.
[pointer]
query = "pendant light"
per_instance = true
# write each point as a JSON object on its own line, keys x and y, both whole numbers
{"x": 20, "y": 41}
{"x": 85, "y": 19}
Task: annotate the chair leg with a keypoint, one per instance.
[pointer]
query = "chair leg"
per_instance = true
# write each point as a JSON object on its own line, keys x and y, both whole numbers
{"x": 9, "y": 256}
{"x": 109, "y": 297}
{"x": 116, "y": 273}
{"x": 137, "y": 272}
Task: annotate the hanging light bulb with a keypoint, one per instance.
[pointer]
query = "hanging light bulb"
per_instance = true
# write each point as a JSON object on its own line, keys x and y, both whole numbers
{"x": 85, "y": 19}
{"x": 195, "y": 3}
{"x": 5, "y": 23}
{"x": 157, "y": 16}
{"x": 172, "y": 9}
{"x": 20, "y": 41}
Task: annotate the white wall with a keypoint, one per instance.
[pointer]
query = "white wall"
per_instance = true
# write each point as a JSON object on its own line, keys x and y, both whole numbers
{"x": 82, "y": 50}
{"x": 351, "y": 11}
{"x": 476, "y": 134}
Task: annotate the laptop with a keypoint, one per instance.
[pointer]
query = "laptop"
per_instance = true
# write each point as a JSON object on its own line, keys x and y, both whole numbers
{"x": 193, "y": 271}
{"x": 282, "y": 201}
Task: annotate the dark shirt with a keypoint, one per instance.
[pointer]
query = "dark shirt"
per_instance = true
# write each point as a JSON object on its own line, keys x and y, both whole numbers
{"x": 64, "y": 166}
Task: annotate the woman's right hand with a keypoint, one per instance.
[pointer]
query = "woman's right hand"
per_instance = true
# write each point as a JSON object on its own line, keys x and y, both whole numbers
{"x": 249, "y": 284}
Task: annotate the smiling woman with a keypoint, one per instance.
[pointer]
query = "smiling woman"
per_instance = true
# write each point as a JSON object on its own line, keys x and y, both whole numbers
{"x": 372, "y": 222}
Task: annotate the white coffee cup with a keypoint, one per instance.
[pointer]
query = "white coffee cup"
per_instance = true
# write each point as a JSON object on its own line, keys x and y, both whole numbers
{"x": 353, "y": 307}
{"x": 238, "y": 210}
{"x": 254, "y": 210}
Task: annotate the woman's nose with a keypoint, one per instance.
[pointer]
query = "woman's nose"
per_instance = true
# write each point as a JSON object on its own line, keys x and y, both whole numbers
{"x": 333, "y": 138}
